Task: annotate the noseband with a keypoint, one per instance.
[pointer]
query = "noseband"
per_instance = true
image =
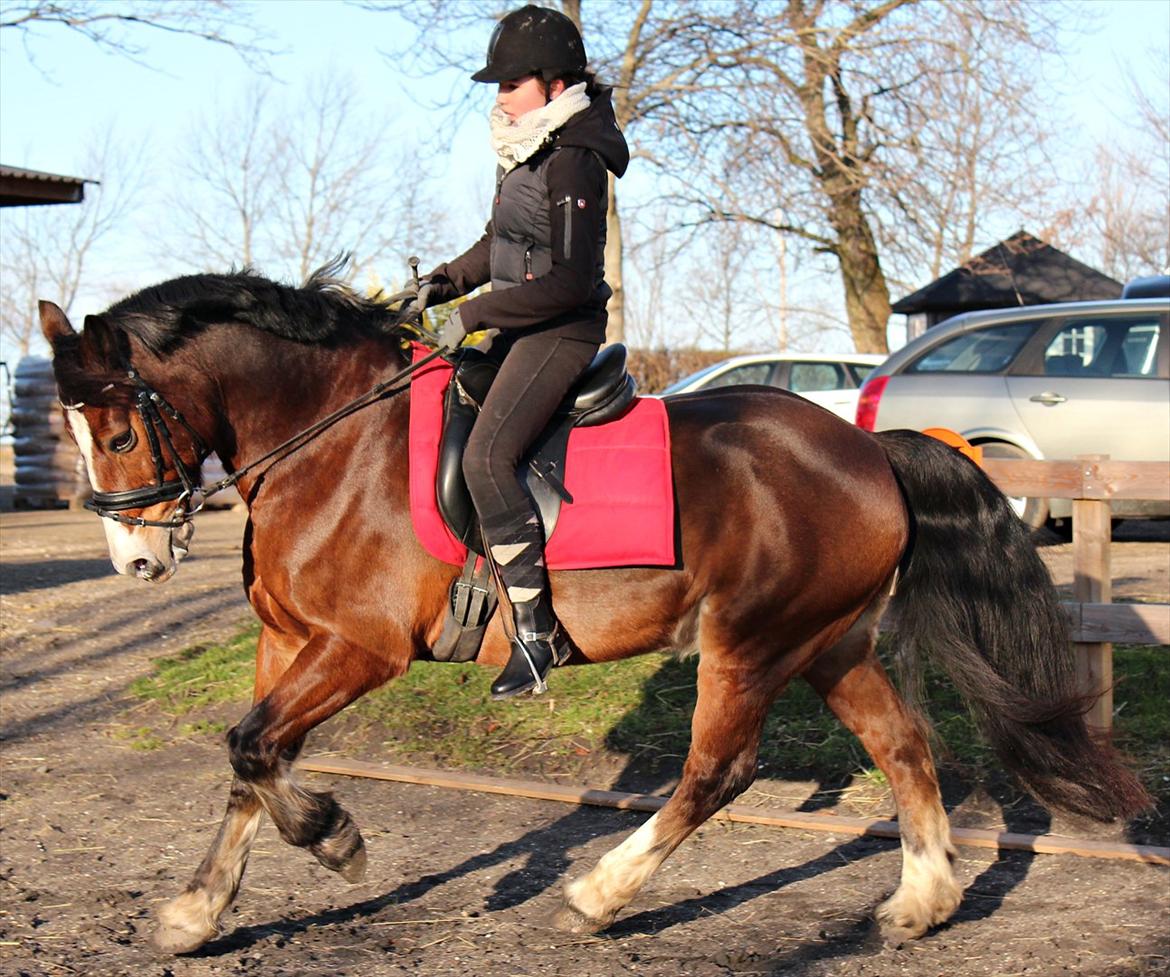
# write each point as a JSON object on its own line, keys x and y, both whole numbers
{"x": 154, "y": 409}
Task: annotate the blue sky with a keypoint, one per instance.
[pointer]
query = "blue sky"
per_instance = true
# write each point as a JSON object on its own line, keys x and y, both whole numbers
{"x": 49, "y": 106}
{"x": 46, "y": 111}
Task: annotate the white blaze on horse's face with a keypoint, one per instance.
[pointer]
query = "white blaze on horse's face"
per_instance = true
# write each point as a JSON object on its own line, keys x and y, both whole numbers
{"x": 147, "y": 552}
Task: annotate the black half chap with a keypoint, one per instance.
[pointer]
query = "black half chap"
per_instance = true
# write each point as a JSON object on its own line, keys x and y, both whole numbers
{"x": 535, "y": 375}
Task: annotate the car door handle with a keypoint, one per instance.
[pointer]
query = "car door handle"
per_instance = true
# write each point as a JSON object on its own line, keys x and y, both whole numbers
{"x": 1048, "y": 398}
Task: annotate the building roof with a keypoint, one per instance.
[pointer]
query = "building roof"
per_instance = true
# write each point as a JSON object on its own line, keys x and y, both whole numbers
{"x": 21, "y": 187}
{"x": 1022, "y": 270}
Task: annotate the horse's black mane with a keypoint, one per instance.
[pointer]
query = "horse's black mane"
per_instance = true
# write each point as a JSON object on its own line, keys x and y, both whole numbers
{"x": 323, "y": 309}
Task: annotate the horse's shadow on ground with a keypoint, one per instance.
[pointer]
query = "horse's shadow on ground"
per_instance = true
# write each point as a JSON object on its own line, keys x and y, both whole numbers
{"x": 544, "y": 861}
{"x": 20, "y": 578}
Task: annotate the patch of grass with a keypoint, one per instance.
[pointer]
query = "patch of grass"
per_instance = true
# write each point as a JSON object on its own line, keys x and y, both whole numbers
{"x": 139, "y": 737}
{"x": 444, "y": 714}
{"x": 202, "y": 675}
{"x": 639, "y": 710}
{"x": 203, "y": 727}
{"x": 1141, "y": 689}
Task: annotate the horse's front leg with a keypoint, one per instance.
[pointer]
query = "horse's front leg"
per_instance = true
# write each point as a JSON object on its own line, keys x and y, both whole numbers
{"x": 326, "y": 676}
{"x": 192, "y": 918}
{"x": 725, "y": 736}
{"x": 297, "y": 688}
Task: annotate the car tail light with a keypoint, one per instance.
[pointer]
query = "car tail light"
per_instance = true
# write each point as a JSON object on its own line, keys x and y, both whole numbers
{"x": 867, "y": 402}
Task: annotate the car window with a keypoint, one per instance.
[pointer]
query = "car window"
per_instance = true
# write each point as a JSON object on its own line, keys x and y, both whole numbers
{"x": 1103, "y": 348}
{"x": 982, "y": 351}
{"x": 860, "y": 371}
{"x": 810, "y": 377}
{"x": 748, "y": 373}
{"x": 690, "y": 378}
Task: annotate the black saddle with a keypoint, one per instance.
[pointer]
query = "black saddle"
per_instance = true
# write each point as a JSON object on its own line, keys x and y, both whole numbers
{"x": 603, "y": 393}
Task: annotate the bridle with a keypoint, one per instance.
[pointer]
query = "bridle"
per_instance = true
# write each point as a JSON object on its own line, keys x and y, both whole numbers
{"x": 154, "y": 409}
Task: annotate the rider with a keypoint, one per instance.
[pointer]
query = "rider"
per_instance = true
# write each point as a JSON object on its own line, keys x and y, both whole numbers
{"x": 555, "y": 136}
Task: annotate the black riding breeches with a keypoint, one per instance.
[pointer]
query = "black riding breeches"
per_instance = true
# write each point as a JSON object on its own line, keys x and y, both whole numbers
{"x": 535, "y": 375}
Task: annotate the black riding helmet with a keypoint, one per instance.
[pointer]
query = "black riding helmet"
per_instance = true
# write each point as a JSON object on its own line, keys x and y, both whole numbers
{"x": 533, "y": 41}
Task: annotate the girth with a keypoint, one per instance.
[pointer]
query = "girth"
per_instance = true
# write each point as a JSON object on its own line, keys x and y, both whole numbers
{"x": 603, "y": 393}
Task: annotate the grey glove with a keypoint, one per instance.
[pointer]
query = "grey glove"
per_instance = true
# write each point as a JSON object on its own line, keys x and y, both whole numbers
{"x": 453, "y": 332}
{"x": 415, "y": 297}
{"x": 408, "y": 294}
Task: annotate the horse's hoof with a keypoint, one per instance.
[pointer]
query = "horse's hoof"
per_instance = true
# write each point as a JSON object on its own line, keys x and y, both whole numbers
{"x": 570, "y": 920}
{"x": 895, "y": 936}
{"x": 909, "y": 913}
{"x": 173, "y": 940}
{"x": 183, "y": 926}
{"x": 343, "y": 853}
{"x": 355, "y": 869}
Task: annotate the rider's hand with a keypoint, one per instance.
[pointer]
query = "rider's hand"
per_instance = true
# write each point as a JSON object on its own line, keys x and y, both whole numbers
{"x": 423, "y": 299}
{"x": 408, "y": 294}
{"x": 414, "y": 298}
{"x": 453, "y": 332}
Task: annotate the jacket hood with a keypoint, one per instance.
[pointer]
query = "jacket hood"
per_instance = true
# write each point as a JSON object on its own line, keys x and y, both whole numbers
{"x": 596, "y": 128}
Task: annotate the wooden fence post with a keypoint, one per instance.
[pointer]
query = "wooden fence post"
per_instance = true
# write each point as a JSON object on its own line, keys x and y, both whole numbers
{"x": 1093, "y": 584}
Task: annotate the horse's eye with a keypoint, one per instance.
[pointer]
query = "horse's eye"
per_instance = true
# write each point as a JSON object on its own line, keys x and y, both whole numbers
{"x": 124, "y": 441}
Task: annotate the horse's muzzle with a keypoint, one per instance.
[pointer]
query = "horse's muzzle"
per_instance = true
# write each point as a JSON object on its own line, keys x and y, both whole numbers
{"x": 152, "y": 570}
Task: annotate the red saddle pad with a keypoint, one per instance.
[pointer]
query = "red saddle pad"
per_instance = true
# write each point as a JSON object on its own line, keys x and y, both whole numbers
{"x": 618, "y": 473}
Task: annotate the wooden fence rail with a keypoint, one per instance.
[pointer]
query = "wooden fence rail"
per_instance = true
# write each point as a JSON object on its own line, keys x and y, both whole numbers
{"x": 1096, "y": 622}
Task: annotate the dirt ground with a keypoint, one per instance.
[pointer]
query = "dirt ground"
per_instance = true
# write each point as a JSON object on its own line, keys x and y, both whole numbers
{"x": 95, "y": 834}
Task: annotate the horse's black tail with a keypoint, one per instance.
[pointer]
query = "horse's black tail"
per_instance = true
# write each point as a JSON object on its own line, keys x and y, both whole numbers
{"x": 977, "y": 600}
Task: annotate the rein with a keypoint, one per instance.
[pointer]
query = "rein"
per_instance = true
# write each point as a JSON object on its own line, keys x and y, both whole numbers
{"x": 151, "y": 406}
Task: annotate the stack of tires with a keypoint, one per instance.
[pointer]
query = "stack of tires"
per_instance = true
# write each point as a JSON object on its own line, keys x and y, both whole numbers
{"x": 49, "y": 468}
{"x": 50, "y": 471}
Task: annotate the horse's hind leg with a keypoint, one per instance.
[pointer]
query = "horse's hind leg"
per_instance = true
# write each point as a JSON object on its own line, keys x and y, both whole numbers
{"x": 854, "y": 684}
{"x": 720, "y": 765}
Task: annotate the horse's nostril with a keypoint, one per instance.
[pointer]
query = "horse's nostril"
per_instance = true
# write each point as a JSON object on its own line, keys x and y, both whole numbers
{"x": 141, "y": 567}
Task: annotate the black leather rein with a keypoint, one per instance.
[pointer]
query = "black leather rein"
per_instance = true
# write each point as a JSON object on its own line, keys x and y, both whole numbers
{"x": 154, "y": 409}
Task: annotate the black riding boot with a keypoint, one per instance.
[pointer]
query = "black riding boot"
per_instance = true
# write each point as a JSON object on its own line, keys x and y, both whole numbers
{"x": 517, "y": 549}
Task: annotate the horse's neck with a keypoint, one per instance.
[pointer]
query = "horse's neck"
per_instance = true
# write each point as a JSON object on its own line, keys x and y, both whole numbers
{"x": 274, "y": 390}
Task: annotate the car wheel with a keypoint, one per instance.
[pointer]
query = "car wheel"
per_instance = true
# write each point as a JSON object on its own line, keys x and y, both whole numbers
{"x": 1032, "y": 512}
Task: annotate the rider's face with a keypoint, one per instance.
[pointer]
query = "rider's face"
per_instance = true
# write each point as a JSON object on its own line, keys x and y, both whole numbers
{"x": 522, "y": 95}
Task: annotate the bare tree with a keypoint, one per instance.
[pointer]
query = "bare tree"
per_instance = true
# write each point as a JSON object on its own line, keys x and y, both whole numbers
{"x": 1126, "y": 223}
{"x": 117, "y": 26}
{"x": 45, "y": 251}
{"x": 714, "y": 296}
{"x": 970, "y": 148}
{"x": 226, "y": 187}
{"x": 821, "y": 121}
{"x": 260, "y": 190}
{"x": 331, "y": 193}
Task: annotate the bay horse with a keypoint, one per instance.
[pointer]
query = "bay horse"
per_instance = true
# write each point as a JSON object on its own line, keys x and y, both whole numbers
{"x": 794, "y": 529}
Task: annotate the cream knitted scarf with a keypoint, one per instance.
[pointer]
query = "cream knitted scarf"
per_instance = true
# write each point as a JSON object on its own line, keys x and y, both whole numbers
{"x": 516, "y": 141}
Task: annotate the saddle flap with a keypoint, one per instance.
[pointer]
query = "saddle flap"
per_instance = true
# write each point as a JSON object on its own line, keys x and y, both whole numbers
{"x": 619, "y": 475}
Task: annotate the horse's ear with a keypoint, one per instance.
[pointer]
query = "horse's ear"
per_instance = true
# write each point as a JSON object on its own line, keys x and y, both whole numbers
{"x": 54, "y": 322}
{"x": 102, "y": 338}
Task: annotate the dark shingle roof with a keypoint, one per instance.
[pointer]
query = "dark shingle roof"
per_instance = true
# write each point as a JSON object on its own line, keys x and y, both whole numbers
{"x": 1022, "y": 270}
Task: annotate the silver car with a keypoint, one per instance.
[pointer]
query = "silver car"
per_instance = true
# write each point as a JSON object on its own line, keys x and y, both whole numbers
{"x": 1047, "y": 381}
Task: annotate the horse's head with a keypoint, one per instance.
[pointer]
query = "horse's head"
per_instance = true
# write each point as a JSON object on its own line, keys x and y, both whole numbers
{"x": 137, "y": 471}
